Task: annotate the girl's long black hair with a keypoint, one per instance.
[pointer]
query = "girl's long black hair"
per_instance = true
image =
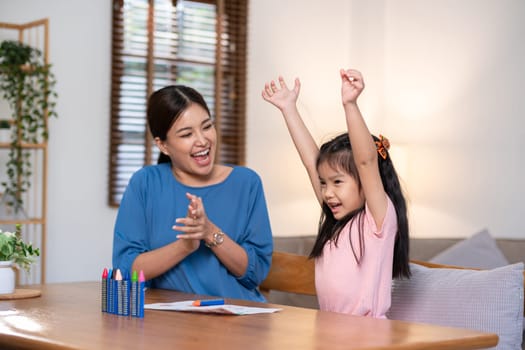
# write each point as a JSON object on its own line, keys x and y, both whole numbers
{"x": 338, "y": 153}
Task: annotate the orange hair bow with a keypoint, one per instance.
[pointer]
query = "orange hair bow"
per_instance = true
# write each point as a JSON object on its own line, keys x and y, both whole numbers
{"x": 383, "y": 145}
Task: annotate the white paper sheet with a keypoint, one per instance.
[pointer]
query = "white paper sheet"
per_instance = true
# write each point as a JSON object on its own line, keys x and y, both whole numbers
{"x": 226, "y": 309}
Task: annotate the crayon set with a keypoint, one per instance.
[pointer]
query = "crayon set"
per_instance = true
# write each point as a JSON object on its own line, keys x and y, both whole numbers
{"x": 122, "y": 296}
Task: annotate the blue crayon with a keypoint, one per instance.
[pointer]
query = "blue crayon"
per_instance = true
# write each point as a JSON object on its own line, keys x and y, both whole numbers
{"x": 125, "y": 296}
{"x": 110, "y": 291}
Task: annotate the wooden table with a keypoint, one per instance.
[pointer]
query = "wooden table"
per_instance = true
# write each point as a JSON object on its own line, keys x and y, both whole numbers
{"x": 68, "y": 316}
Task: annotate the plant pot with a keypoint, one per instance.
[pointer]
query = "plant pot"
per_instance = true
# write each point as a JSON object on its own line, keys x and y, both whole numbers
{"x": 7, "y": 277}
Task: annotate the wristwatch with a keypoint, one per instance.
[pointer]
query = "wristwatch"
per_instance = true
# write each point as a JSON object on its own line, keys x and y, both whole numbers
{"x": 218, "y": 238}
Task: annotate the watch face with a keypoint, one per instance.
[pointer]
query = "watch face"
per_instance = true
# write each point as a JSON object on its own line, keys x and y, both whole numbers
{"x": 218, "y": 237}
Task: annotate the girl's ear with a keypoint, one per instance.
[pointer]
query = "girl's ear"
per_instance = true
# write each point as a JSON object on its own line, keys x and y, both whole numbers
{"x": 161, "y": 145}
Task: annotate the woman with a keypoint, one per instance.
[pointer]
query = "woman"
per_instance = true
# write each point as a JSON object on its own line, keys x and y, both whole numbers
{"x": 188, "y": 223}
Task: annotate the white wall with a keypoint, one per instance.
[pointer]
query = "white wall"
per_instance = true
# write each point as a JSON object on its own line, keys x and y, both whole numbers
{"x": 79, "y": 221}
{"x": 444, "y": 83}
{"x": 454, "y": 101}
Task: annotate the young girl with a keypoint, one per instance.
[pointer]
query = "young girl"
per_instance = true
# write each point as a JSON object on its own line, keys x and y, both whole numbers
{"x": 363, "y": 231}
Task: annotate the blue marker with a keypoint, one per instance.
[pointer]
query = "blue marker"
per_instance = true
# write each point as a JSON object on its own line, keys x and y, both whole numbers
{"x": 208, "y": 302}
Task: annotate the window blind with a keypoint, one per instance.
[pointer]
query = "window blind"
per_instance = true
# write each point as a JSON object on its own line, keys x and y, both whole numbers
{"x": 200, "y": 43}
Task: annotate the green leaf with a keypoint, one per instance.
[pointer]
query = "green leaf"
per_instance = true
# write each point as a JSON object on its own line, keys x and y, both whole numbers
{"x": 31, "y": 97}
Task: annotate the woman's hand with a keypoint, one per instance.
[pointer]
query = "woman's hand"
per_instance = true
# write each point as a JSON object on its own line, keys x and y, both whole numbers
{"x": 351, "y": 85}
{"x": 196, "y": 225}
{"x": 281, "y": 96}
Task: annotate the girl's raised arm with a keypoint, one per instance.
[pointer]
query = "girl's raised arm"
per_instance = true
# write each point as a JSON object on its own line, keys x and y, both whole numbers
{"x": 285, "y": 100}
{"x": 363, "y": 146}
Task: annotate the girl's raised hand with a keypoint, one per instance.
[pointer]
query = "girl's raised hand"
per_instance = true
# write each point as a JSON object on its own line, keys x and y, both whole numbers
{"x": 281, "y": 96}
{"x": 351, "y": 85}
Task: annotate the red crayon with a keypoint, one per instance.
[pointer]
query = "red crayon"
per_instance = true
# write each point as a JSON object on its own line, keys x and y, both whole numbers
{"x": 104, "y": 290}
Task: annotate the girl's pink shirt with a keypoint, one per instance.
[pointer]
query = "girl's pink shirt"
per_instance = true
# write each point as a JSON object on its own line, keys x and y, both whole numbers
{"x": 365, "y": 289}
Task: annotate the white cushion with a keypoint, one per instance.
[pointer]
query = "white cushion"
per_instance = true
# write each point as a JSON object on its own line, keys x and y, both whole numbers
{"x": 479, "y": 251}
{"x": 489, "y": 301}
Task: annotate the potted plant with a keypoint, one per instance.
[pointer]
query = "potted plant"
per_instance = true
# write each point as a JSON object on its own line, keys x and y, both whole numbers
{"x": 27, "y": 84}
{"x": 14, "y": 252}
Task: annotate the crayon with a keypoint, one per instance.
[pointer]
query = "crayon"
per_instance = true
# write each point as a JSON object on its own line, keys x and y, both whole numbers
{"x": 104, "y": 290}
{"x": 125, "y": 296}
{"x": 134, "y": 294}
{"x": 119, "y": 298}
{"x": 110, "y": 291}
{"x": 140, "y": 299}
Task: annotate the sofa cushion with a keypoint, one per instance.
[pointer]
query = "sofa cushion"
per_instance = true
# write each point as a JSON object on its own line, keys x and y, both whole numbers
{"x": 479, "y": 251}
{"x": 489, "y": 300}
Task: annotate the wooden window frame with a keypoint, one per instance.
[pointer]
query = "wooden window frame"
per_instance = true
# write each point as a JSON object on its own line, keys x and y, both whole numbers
{"x": 228, "y": 93}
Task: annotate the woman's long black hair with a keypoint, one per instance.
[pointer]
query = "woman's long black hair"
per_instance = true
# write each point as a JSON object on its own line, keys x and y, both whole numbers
{"x": 338, "y": 154}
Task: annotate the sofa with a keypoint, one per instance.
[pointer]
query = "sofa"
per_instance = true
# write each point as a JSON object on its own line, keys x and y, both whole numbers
{"x": 474, "y": 289}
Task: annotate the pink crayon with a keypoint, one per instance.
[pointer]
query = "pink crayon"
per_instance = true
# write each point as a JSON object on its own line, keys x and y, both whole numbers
{"x": 140, "y": 301}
